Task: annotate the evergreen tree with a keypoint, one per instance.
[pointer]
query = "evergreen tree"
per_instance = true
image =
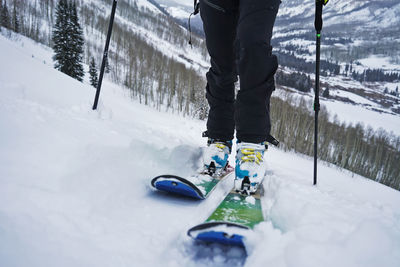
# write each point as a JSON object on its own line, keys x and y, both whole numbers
{"x": 68, "y": 41}
{"x": 77, "y": 42}
{"x": 93, "y": 73}
{"x": 16, "y": 27}
{"x": 107, "y": 66}
{"x": 60, "y": 37}
{"x": 326, "y": 93}
{"x": 5, "y": 16}
{"x": 1, "y": 8}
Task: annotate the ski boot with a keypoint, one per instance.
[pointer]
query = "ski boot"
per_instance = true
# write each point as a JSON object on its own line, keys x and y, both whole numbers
{"x": 215, "y": 156}
{"x": 250, "y": 167}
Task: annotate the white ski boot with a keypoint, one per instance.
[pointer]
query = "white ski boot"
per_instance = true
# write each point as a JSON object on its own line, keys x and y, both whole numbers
{"x": 250, "y": 167}
{"x": 215, "y": 155}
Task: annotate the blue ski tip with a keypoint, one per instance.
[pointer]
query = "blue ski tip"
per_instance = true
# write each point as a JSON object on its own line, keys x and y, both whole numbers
{"x": 212, "y": 232}
{"x": 221, "y": 237}
{"x": 177, "y": 187}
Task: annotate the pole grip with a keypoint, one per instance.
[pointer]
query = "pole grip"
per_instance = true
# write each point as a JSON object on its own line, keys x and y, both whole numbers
{"x": 318, "y": 15}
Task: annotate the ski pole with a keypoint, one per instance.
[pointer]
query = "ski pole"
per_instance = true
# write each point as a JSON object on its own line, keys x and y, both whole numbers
{"x": 318, "y": 27}
{"x": 105, "y": 55}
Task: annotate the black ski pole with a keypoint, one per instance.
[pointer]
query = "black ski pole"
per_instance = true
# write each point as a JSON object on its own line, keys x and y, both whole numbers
{"x": 105, "y": 55}
{"x": 318, "y": 27}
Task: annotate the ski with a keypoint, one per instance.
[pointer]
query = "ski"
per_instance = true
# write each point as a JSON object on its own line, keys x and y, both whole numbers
{"x": 197, "y": 186}
{"x": 231, "y": 220}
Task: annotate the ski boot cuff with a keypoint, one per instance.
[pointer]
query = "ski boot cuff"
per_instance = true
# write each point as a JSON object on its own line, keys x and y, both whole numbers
{"x": 215, "y": 141}
{"x": 210, "y": 141}
{"x": 256, "y": 146}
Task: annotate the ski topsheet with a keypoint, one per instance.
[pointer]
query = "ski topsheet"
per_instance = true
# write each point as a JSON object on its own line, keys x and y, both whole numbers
{"x": 197, "y": 186}
{"x": 230, "y": 221}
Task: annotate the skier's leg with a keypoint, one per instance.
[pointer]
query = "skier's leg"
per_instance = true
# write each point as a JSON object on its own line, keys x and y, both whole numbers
{"x": 220, "y": 23}
{"x": 256, "y": 67}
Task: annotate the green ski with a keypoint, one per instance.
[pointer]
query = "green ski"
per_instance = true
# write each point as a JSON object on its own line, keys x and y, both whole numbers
{"x": 230, "y": 221}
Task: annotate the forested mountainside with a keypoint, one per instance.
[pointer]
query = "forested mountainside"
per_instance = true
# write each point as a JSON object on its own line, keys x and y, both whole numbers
{"x": 148, "y": 54}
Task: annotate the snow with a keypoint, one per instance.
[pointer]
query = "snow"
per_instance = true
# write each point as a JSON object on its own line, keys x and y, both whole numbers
{"x": 355, "y": 113}
{"x": 147, "y": 5}
{"x": 251, "y": 200}
{"x": 379, "y": 62}
{"x": 312, "y": 222}
{"x": 75, "y": 186}
{"x": 388, "y": 16}
{"x": 356, "y": 98}
{"x": 178, "y": 12}
{"x": 351, "y": 114}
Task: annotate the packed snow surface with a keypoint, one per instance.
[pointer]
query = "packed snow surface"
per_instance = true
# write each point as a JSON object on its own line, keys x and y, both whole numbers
{"x": 75, "y": 186}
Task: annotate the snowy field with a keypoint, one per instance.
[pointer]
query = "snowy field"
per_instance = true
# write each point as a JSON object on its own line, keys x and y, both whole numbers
{"x": 75, "y": 186}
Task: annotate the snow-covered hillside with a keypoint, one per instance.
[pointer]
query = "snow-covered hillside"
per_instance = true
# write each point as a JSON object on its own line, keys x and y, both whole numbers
{"x": 74, "y": 186}
{"x": 298, "y": 14}
{"x": 357, "y": 14}
{"x": 355, "y": 109}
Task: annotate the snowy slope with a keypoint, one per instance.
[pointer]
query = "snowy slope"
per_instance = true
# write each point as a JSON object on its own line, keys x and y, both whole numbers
{"x": 74, "y": 186}
{"x": 364, "y": 111}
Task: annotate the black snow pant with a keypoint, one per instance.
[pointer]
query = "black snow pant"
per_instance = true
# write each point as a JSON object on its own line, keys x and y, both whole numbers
{"x": 238, "y": 35}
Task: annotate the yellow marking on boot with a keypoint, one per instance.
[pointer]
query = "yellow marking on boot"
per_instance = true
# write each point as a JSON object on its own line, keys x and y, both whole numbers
{"x": 259, "y": 156}
{"x": 247, "y": 151}
{"x": 251, "y": 156}
{"x": 220, "y": 146}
